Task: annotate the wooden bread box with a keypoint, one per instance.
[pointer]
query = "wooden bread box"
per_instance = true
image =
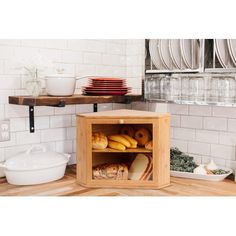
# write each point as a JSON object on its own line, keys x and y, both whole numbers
{"x": 137, "y": 167}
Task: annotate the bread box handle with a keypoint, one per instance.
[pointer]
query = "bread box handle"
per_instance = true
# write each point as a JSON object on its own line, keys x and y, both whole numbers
{"x": 37, "y": 147}
{"x": 121, "y": 121}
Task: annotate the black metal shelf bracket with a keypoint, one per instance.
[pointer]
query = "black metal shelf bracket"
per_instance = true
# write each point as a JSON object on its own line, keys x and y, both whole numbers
{"x": 31, "y": 119}
{"x": 95, "y": 107}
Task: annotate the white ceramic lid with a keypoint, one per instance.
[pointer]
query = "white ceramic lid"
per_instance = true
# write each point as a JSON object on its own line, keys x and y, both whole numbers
{"x": 60, "y": 76}
{"x": 36, "y": 158}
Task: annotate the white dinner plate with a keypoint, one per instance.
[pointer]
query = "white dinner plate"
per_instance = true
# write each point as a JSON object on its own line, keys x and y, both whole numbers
{"x": 232, "y": 49}
{"x": 175, "y": 52}
{"x": 165, "y": 54}
{"x": 154, "y": 53}
{"x": 186, "y": 51}
{"x": 222, "y": 53}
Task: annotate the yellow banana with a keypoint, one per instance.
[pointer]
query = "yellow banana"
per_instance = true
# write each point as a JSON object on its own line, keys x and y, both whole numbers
{"x": 132, "y": 141}
{"x": 116, "y": 145}
{"x": 118, "y": 138}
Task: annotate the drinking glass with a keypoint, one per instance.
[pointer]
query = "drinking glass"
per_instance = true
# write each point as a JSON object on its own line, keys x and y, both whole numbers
{"x": 185, "y": 88}
{"x": 196, "y": 89}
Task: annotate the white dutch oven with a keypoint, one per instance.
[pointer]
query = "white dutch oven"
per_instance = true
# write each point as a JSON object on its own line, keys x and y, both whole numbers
{"x": 60, "y": 85}
{"x": 2, "y": 174}
{"x": 35, "y": 166}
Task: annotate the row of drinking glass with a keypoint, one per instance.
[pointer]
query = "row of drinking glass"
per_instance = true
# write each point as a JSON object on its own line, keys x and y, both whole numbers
{"x": 213, "y": 89}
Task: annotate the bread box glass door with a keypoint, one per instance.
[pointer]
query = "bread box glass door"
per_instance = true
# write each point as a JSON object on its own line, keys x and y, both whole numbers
{"x": 122, "y": 152}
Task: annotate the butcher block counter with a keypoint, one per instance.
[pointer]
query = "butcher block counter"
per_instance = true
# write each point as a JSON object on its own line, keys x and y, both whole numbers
{"x": 68, "y": 187}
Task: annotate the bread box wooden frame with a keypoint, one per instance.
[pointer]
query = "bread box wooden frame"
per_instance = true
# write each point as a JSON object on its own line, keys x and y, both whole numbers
{"x": 160, "y": 124}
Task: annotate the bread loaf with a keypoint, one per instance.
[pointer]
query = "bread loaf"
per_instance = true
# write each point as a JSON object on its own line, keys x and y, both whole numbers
{"x": 110, "y": 171}
{"x": 99, "y": 141}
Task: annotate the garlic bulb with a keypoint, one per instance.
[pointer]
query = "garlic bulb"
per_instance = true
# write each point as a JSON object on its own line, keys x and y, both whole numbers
{"x": 200, "y": 170}
{"x": 212, "y": 165}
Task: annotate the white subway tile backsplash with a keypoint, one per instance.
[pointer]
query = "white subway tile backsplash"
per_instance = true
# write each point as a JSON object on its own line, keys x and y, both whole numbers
{"x": 178, "y": 109}
{"x": 10, "y": 83}
{"x": 72, "y": 57}
{"x": 92, "y": 58}
{"x": 17, "y": 124}
{"x": 158, "y": 107}
{"x": 12, "y": 111}
{"x": 191, "y": 122}
{"x": 117, "y": 106}
{"x": 50, "y": 135}
{"x": 64, "y": 146}
{"x": 207, "y": 136}
{"x": 215, "y": 123}
{"x": 2, "y": 155}
{"x": 105, "y": 107}
{"x": 71, "y": 133}
{"x": 27, "y": 138}
{"x": 199, "y": 148}
{"x": 143, "y": 106}
{"x": 229, "y": 112}
{"x": 222, "y": 151}
{"x": 84, "y": 108}
{"x": 40, "y": 122}
{"x": 181, "y": 145}
{"x": 44, "y": 111}
{"x": 175, "y": 120}
{"x": 232, "y": 125}
{"x": 200, "y": 110}
{"x": 68, "y": 109}
{"x": 60, "y": 121}
{"x": 227, "y": 138}
{"x": 184, "y": 134}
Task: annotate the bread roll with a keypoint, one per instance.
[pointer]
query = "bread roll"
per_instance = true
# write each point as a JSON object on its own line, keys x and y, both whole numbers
{"x": 148, "y": 145}
{"x": 99, "y": 141}
{"x": 142, "y": 136}
{"x": 128, "y": 130}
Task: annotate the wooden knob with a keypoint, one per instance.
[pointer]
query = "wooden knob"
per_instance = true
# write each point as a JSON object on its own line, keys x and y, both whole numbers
{"x": 121, "y": 121}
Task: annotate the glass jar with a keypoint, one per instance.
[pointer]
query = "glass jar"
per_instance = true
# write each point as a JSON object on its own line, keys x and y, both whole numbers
{"x": 33, "y": 87}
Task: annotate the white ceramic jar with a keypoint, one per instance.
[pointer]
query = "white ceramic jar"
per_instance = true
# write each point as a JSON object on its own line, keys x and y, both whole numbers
{"x": 60, "y": 85}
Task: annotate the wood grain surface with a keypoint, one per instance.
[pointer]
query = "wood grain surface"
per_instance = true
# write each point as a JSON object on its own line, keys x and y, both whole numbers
{"x": 67, "y": 186}
{"x": 75, "y": 99}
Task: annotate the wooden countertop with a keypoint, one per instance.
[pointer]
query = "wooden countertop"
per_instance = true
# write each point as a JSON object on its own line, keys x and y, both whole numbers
{"x": 68, "y": 187}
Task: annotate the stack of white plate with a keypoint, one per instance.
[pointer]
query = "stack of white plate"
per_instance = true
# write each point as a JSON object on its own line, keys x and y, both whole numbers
{"x": 174, "y": 54}
{"x": 226, "y": 52}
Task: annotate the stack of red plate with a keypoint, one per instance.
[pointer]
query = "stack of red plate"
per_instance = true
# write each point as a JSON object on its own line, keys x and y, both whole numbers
{"x": 106, "y": 86}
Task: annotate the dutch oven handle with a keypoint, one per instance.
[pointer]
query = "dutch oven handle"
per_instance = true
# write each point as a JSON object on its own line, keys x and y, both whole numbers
{"x": 36, "y": 147}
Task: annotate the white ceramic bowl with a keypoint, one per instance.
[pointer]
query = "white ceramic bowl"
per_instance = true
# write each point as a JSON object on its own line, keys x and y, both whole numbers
{"x": 60, "y": 85}
{"x": 35, "y": 166}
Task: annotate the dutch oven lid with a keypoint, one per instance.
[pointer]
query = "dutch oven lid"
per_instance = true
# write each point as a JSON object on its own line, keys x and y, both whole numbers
{"x": 35, "y": 158}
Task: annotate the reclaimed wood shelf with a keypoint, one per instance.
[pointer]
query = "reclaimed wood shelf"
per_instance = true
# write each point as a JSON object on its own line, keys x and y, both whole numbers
{"x": 72, "y": 100}
{"x": 129, "y": 150}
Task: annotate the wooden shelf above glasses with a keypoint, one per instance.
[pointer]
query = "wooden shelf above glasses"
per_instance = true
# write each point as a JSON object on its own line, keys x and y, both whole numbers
{"x": 129, "y": 150}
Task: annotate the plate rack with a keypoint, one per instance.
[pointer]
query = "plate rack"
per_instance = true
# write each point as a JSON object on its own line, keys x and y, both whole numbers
{"x": 208, "y": 61}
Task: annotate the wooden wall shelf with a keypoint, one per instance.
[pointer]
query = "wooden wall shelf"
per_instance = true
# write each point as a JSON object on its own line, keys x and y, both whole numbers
{"x": 72, "y": 100}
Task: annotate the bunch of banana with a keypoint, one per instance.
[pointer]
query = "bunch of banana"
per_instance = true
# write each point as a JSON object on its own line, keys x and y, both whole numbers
{"x": 121, "y": 142}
